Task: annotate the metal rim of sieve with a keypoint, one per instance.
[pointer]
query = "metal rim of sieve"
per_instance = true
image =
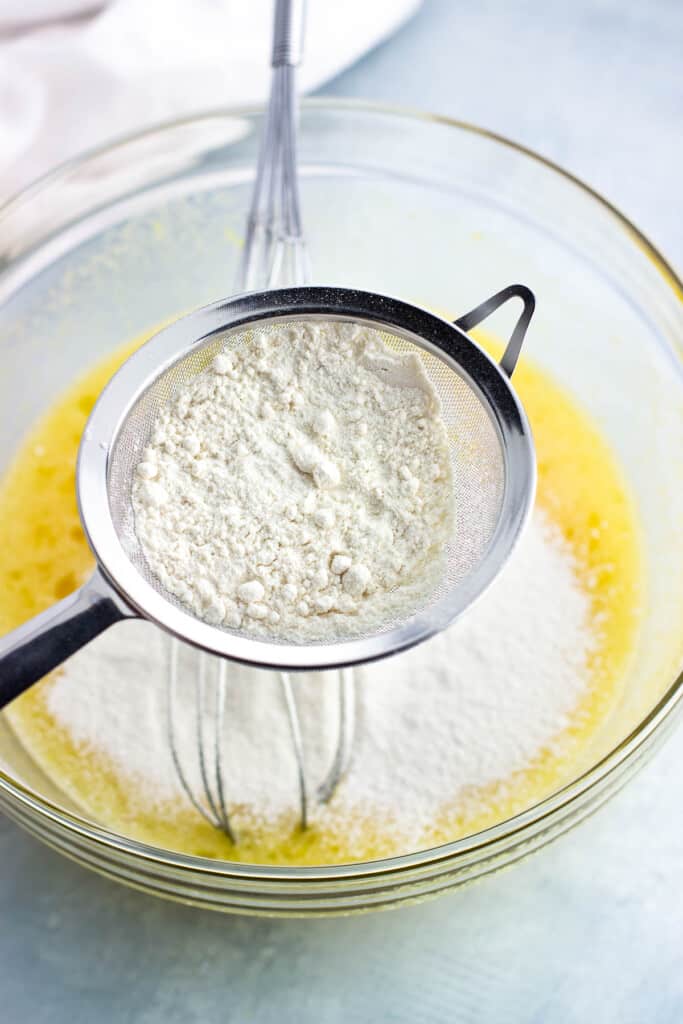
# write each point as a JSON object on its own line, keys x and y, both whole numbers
{"x": 449, "y": 342}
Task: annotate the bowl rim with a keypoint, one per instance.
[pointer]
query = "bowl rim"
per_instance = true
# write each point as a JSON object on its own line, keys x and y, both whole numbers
{"x": 486, "y": 839}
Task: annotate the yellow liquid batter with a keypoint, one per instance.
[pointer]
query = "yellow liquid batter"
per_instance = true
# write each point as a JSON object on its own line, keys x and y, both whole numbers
{"x": 44, "y": 556}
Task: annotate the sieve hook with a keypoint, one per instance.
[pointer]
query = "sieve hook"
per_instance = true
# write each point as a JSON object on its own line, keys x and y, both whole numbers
{"x": 481, "y": 312}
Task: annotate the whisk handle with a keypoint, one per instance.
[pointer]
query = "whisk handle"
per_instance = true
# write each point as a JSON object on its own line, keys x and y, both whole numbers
{"x": 288, "y": 32}
{"x": 44, "y": 642}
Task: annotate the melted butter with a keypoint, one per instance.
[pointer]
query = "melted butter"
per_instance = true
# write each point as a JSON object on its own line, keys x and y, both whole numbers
{"x": 44, "y": 556}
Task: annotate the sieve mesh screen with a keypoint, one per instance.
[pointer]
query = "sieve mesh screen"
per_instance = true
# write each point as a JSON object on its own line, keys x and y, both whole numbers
{"x": 474, "y": 442}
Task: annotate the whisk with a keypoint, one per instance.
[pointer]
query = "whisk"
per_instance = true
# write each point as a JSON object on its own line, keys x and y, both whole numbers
{"x": 274, "y": 254}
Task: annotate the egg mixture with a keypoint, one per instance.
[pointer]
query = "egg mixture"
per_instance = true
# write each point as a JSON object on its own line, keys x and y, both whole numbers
{"x": 44, "y": 557}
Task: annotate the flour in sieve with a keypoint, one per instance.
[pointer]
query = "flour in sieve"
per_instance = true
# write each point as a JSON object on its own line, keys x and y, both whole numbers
{"x": 465, "y": 710}
{"x": 300, "y": 486}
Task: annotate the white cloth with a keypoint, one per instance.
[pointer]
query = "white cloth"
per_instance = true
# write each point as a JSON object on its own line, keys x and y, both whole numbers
{"x": 112, "y": 68}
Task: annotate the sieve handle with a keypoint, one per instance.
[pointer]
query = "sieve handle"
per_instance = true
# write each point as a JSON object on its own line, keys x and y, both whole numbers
{"x": 514, "y": 345}
{"x": 44, "y": 642}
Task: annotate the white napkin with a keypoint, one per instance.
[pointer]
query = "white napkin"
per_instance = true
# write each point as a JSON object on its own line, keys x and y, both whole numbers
{"x": 69, "y": 85}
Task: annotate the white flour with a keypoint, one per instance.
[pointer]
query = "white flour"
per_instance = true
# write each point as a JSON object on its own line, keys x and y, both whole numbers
{"x": 299, "y": 487}
{"x": 469, "y": 708}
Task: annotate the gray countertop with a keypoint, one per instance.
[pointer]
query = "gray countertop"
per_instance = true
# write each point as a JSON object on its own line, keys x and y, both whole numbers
{"x": 591, "y": 928}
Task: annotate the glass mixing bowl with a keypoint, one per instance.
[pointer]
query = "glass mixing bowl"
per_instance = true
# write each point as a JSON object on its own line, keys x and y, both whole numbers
{"x": 421, "y": 207}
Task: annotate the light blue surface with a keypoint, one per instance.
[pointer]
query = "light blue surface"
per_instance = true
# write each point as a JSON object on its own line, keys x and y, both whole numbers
{"x": 590, "y": 929}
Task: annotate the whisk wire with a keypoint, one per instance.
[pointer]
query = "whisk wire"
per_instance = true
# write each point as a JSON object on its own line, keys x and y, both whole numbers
{"x": 346, "y": 712}
{"x": 211, "y": 814}
{"x": 294, "y": 721}
{"x": 219, "y": 713}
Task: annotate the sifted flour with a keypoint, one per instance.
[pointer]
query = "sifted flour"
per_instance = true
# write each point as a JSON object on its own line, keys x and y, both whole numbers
{"x": 465, "y": 710}
{"x": 300, "y": 487}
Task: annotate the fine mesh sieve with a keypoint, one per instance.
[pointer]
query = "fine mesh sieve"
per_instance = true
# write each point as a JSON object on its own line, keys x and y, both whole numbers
{"x": 490, "y": 446}
{"x": 475, "y": 450}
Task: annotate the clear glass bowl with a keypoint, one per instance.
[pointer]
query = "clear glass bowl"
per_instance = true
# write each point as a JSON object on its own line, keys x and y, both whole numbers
{"x": 408, "y": 204}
